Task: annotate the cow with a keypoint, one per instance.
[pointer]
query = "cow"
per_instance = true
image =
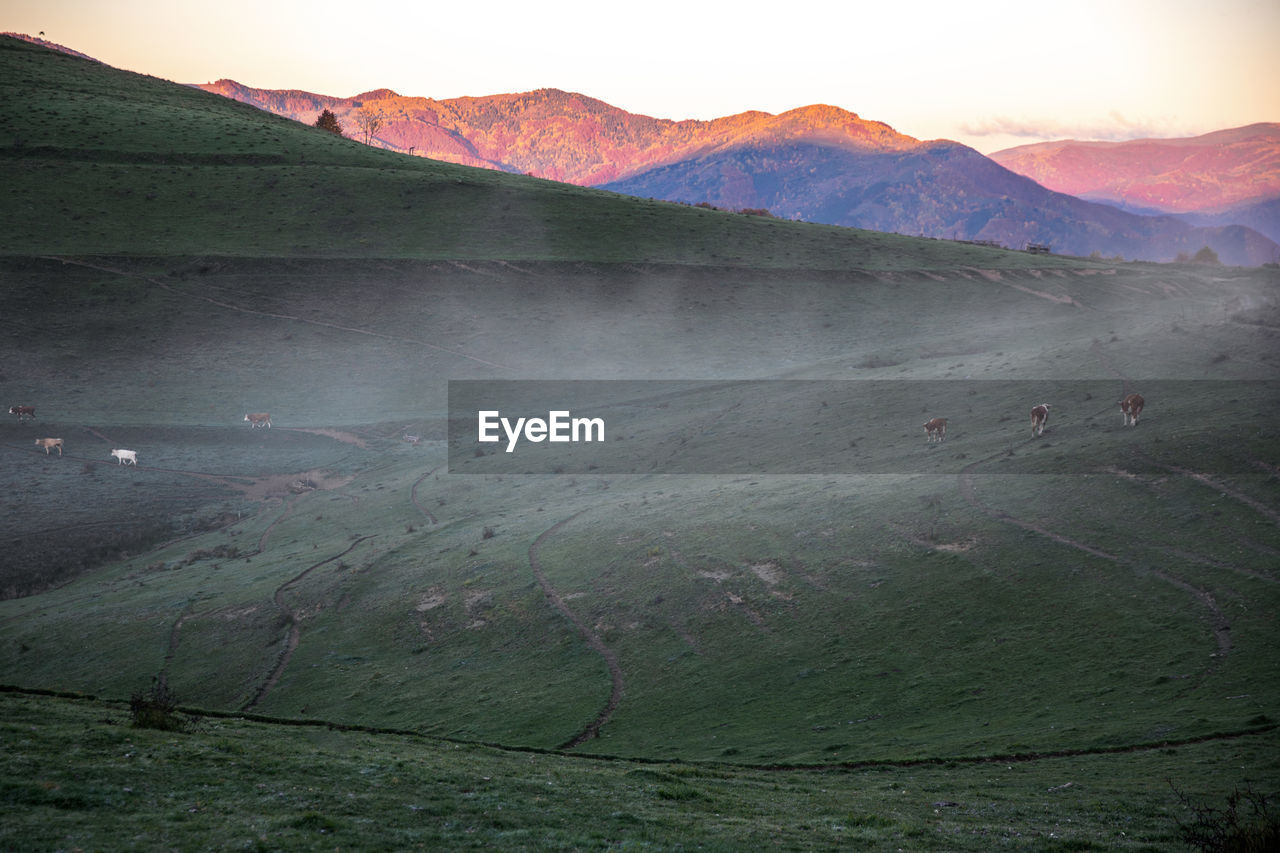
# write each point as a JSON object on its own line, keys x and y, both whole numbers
{"x": 23, "y": 412}
{"x": 123, "y": 456}
{"x": 936, "y": 427}
{"x": 1130, "y": 408}
{"x": 1039, "y": 417}
{"x": 47, "y": 443}
{"x": 257, "y": 419}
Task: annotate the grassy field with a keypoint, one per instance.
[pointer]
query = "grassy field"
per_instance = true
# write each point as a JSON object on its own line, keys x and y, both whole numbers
{"x": 76, "y": 775}
{"x": 998, "y": 641}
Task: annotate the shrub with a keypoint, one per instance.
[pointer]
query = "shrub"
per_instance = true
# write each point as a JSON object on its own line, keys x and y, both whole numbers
{"x": 156, "y": 708}
{"x": 1205, "y": 256}
{"x": 1245, "y": 825}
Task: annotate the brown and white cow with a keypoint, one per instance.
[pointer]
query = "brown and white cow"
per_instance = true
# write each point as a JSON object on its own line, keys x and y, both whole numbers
{"x": 936, "y": 427}
{"x": 1039, "y": 417}
{"x": 47, "y": 443}
{"x": 123, "y": 456}
{"x": 23, "y": 412}
{"x": 1130, "y": 408}
{"x": 257, "y": 419}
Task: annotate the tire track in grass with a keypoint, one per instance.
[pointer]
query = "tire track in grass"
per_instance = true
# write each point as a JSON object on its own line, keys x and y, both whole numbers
{"x": 591, "y": 637}
{"x": 1222, "y": 489}
{"x": 175, "y": 633}
{"x": 413, "y": 496}
{"x": 295, "y": 627}
{"x": 1221, "y": 629}
{"x": 266, "y": 534}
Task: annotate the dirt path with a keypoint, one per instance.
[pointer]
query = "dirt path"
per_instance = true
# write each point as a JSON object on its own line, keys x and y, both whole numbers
{"x": 174, "y": 633}
{"x": 295, "y": 627}
{"x": 1221, "y": 630}
{"x": 413, "y": 496}
{"x": 591, "y": 637}
{"x": 335, "y": 434}
{"x": 1222, "y": 489}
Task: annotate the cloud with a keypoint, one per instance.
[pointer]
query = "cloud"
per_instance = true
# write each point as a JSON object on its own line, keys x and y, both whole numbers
{"x": 1115, "y": 127}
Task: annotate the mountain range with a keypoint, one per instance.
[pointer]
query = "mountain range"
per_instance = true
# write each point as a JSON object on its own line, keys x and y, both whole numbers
{"x": 1152, "y": 199}
{"x": 817, "y": 163}
{"x": 1213, "y": 172}
{"x": 1228, "y": 176}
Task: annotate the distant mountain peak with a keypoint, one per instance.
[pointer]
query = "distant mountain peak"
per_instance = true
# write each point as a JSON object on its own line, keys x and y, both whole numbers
{"x": 375, "y": 95}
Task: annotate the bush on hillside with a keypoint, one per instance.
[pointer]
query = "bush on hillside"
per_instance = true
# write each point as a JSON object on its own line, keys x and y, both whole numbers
{"x": 1247, "y": 824}
{"x": 156, "y": 708}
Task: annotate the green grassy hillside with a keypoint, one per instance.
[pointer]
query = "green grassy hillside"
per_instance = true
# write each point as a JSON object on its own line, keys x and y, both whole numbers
{"x": 930, "y": 603}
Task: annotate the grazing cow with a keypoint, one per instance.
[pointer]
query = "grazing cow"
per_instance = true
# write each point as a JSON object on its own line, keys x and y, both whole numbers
{"x": 1039, "y": 417}
{"x": 412, "y": 439}
{"x": 123, "y": 456}
{"x": 47, "y": 443}
{"x": 1130, "y": 408}
{"x": 257, "y": 419}
{"x": 936, "y": 427}
{"x": 23, "y": 412}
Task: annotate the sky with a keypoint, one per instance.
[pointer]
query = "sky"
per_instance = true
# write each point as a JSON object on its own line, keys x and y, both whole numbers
{"x": 988, "y": 73}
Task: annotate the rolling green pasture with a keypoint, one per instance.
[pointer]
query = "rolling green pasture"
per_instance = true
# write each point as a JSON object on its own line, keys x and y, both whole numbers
{"x": 999, "y": 641}
{"x": 76, "y": 775}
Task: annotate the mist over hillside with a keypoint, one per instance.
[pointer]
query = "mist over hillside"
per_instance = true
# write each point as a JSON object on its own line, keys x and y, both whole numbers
{"x": 775, "y": 612}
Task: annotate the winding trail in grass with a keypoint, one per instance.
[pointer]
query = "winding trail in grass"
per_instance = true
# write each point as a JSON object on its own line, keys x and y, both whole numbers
{"x": 413, "y": 496}
{"x": 174, "y": 633}
{"x": 295, "y": 627}
{"x": 1223, "y": 489}
{"x": 266, "y": 534}
{"x": 591, "y": 637}
{"x": 1221, "y": 629}
{"x": 273, "y": 315}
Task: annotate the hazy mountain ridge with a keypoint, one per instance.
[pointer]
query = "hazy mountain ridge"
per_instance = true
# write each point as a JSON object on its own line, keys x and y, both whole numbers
{"x": 1207, "y": 173}
{"x": 939, "y": 189}
{"x": 1228, "y": 177}
{"x": 817, "y": 163}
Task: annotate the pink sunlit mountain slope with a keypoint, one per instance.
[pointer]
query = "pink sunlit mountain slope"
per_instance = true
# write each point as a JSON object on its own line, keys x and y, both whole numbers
{"x": 817, "y": 163}
{"x": 560, "y": 135}
{"x": 1227, "y": 168}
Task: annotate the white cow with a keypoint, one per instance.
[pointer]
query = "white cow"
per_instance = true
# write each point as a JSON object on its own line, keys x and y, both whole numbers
{"x": 123, "y": 456}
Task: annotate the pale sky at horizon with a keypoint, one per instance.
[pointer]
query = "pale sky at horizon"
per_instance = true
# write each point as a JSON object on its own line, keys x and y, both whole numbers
{"x": 989, "y": 73}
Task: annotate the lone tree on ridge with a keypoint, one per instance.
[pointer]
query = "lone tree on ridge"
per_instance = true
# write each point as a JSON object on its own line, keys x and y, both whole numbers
{"x": 328, "y": 121}
{"x": 369, "y": 121}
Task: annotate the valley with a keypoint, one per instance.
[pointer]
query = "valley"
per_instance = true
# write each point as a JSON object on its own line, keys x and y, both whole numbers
{"x": 822, "y": 631}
